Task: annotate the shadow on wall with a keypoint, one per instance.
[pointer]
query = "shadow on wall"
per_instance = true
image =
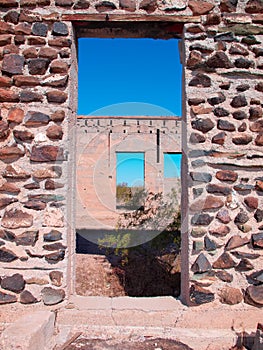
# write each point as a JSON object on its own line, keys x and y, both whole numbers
{"x": 147, "y": 270}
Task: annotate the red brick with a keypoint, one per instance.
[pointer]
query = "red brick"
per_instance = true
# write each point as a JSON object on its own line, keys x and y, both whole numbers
{"x": 5, "y": 82}
{"x": 56, "y": 96}
{"x": 8, "y": 3}
{"x": 23, "y": 28}
{"x": 200, "y": 7}
{"x": 48, "y": 52}
{"x": 58, "y": 116}
{"x": 5, "y": 39}
{"x": 23, "y": 135}
{"x": 9, "y": 187}
{"x": 16, "y": 115}
{"x": 22, "y": 80}
{"x": 30, "y": 52}
{"x": 8, "y": 96}
{"x": 55, "y": 132}
{"x": 59, "y": 42}
{"x": 259, "y": 139}
{"x": 226, "y": 175}
{"x": 8, "y": 154}
{"x": 46, "y": 154}
{"x": 58, "y": 66}
{"x": 4, "y": 130}
{"x": 36, "y": 41}
{"x": 251, "y": 202}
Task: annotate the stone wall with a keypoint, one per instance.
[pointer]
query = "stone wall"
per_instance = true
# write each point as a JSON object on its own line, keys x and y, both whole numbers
{"x": 222, "y": 142}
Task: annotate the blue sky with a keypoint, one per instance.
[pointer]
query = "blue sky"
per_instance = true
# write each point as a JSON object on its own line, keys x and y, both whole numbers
{"x": 130, "y": 168}
{"x": 129, "y": 77}
{"x": 172, "y": 165}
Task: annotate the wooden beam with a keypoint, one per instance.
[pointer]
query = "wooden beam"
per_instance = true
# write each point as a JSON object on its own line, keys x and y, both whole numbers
{"x": 111, "y": 17}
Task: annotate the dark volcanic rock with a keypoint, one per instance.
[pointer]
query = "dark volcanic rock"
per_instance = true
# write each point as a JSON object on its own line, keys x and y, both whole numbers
{"x": 219, "y": 138}
{"x": 201, "y": 264}
{"x": 239, "y": 101}
{"x": 27, "y": 238}
{"x": 219, "y": 60}
{"x": 240, "y": 115}
{"x": 242, "y": 139}
{"x": 201, "y": 80}
{"x": 7, "y": 235}
{"x": 244, "y": 265}
{"x": 220, "y": 112}
{"x": 241, "y": 218}
{"x": 201, "y": 177}
{"x": 202, "y": 219}
{"x": 243, "y": 63}
{"x": 199, "y": 295}
{"x": 203, "y": 125}
{"x": 223, "y": 216}
{"x": 256, "y": 277}
{"x": 224, "y": 276}
{"x": 258, "y": 215}
{"x": 210, "y": 245}
{"x": 52, "y": 236}
{"x": 27, "y": 298}
{"x": 224, "y": 262}
{"x": 215, "y": 100}
{"x": 13, "y": 64}
{"x": 228, "y": 5}
{"x": 7, "y": 298}
{"x": 35, "y": 119}
{"x": 38, "y": 66}
{"x": 254, "y": 295}
{"x": 40, "y": 29}
{"x": 15, "y": 283}
{"x": 257, "y": 240}
{"x": 55, "y": 257}
{"x": 225, "y": 125}
{"x": 60, "y": 29}
{"x": 7, "y": 255}
{"x": 218, "y": 189}
{"x": 46, "y": 154}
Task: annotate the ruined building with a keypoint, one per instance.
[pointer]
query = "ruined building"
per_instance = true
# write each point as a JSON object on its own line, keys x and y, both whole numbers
{"x": 221, "y": 132}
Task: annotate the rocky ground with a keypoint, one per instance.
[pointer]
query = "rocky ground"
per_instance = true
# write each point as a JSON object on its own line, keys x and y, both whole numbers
{"x": 144, "y": 344}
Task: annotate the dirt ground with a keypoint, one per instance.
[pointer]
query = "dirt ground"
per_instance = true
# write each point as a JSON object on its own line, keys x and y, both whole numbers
{"x": 142, "y": 276}
{"x": 151, "y": 344}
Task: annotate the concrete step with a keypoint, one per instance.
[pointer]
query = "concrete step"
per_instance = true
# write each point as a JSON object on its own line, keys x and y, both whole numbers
{"x": 207, "y": 327}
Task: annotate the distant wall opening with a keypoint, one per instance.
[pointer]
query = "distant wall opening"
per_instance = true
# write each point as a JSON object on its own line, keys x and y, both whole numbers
{"x": 130, "y": 174}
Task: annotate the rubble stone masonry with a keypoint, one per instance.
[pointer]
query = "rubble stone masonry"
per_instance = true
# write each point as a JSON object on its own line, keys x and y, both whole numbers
{"x": 222, "y": 133}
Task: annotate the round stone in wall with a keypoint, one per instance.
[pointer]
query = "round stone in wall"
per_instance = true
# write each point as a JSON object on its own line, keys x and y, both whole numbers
{"x": 52, "y": 296}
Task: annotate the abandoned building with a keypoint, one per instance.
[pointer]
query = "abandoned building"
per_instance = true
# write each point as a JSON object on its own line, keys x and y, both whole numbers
{"x": 220, "y": 136}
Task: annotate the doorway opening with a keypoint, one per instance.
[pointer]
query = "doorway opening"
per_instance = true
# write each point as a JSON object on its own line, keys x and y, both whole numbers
{"x": 128, "y": 212}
